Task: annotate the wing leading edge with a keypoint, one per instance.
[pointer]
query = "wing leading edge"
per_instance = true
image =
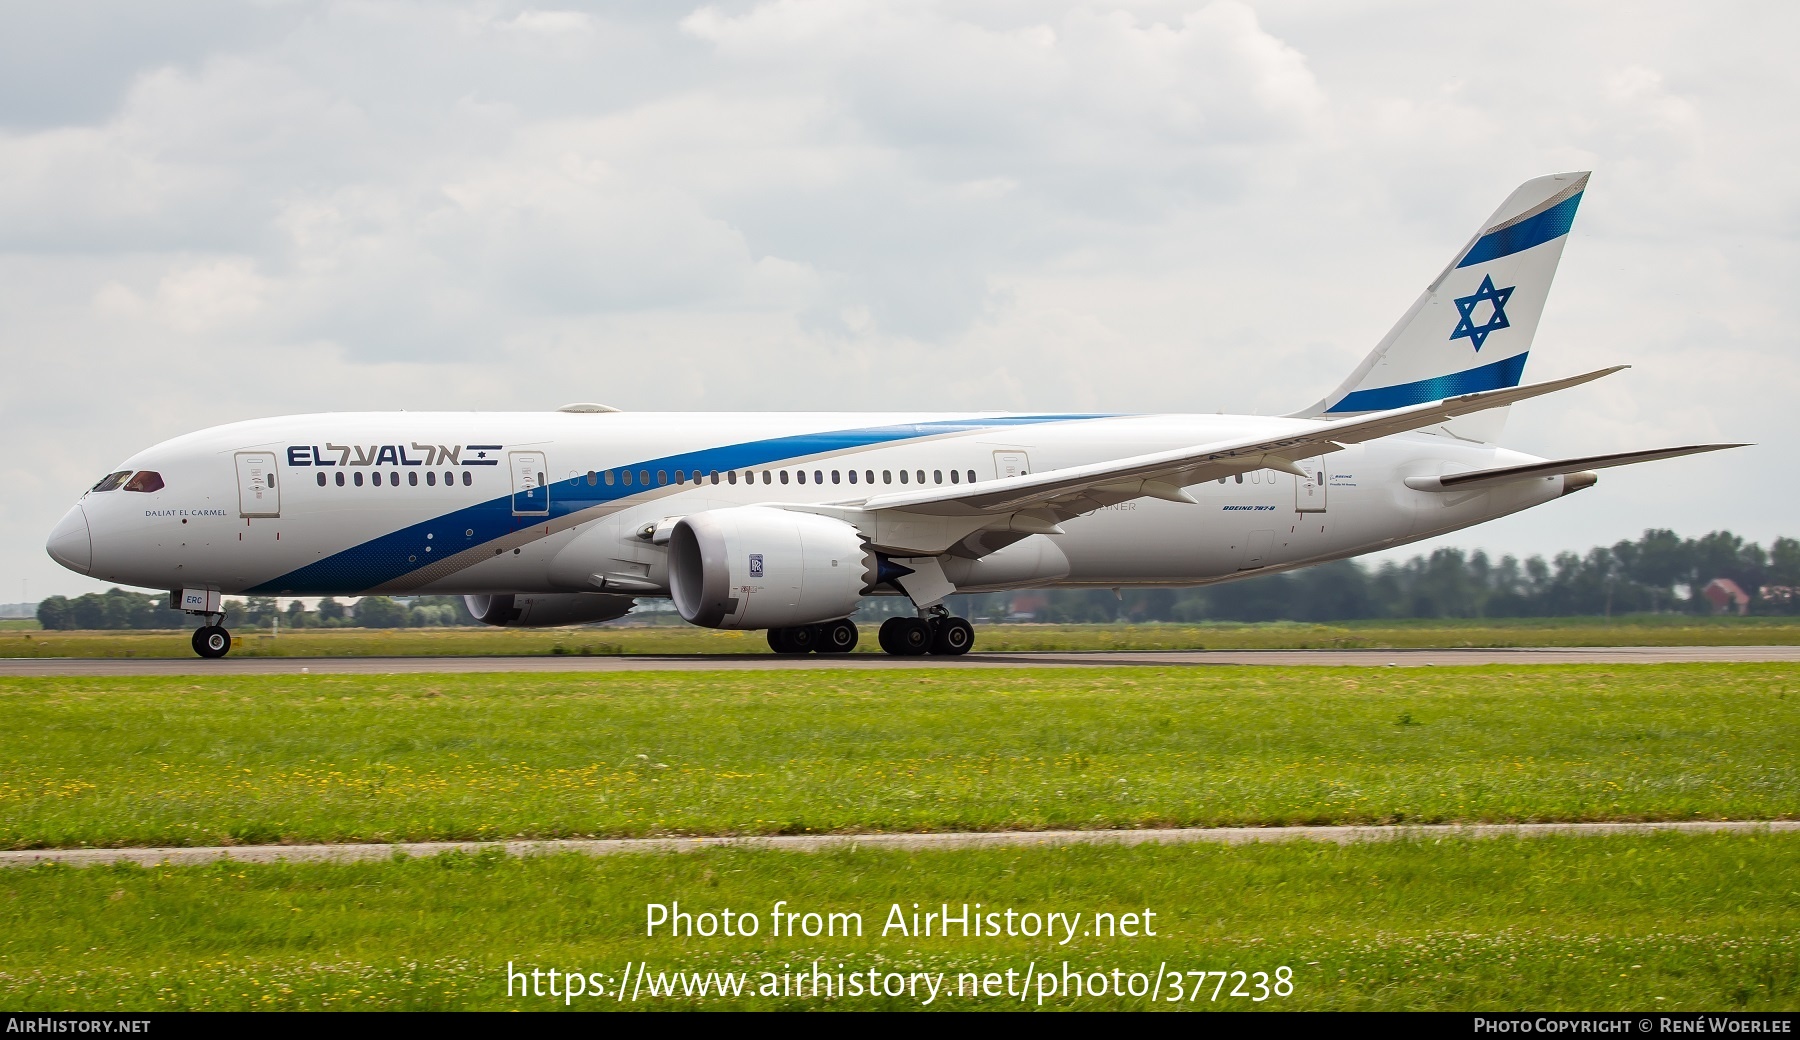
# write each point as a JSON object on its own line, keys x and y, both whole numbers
{"x": 1164, "y": 474}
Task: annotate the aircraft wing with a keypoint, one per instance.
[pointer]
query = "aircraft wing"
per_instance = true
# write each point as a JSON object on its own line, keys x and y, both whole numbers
{"x": 1164, "y": 474}
{"x": 1482, "y": 478}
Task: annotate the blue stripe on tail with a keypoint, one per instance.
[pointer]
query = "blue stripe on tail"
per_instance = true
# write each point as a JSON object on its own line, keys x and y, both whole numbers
{"x": 1553, "y": 223}
{"x": 1500, "y": 374}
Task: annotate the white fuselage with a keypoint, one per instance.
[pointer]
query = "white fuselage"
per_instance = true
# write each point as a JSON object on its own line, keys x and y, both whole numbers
{"x": 291, "y": 506}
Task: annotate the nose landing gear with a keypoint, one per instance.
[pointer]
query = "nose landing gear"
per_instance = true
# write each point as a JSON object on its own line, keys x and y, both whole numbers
{"x": 212, "y": 641}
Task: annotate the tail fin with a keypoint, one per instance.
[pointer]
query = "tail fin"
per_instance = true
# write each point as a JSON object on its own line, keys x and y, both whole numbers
{"x": 1472, "y": 328}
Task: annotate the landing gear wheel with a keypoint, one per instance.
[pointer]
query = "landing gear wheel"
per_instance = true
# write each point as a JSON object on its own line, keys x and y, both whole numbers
{"x": 953, "y": 637}
{"x": 212, "y": 641}
{"x": 801, "y": 639}
{"x": 905, "y": 636}
{"x": 837, "y": 637}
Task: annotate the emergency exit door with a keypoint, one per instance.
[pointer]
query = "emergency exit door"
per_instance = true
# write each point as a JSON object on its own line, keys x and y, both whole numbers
{"x": 258, "y": 492}
{"x": 531, "y": 483}
{"x": 1309, "y": 491}
{"x": 1011, "y": 464}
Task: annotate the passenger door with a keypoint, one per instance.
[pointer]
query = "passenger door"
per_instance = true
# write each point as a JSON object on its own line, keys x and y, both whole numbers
{"x": 1309, "y": 491}
{"x": 531, "y": 484}
{"x": 258, "y": 493}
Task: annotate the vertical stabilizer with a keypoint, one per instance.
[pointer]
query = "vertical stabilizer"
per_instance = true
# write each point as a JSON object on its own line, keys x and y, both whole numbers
{"x": 1472, "y": 328}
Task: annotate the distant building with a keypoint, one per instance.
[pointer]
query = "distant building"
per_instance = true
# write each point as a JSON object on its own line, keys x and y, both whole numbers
{"x": 1725, "y": 596}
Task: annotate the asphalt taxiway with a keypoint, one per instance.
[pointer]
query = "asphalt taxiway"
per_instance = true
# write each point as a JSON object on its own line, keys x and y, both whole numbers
{"x": 65, "y": 666}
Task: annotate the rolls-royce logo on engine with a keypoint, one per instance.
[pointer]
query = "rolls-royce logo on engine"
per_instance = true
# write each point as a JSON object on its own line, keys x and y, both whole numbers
{"x": 756, "y": 565}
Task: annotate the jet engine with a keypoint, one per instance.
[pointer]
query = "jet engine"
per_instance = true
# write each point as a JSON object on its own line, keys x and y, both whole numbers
{"x": 531, "y": 610}
{"x": 760, "y": 567}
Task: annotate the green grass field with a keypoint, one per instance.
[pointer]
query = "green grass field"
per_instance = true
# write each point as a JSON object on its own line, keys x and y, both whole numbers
{"x": 604, "y": 640}
{"x": 1670, "y": 922}
{"x": 191, "y": 761}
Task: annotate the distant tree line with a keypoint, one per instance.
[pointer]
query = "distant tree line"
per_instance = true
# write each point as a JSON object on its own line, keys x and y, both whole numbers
{"x": 117, "y": 608}
{"x": 1658, "y": 573}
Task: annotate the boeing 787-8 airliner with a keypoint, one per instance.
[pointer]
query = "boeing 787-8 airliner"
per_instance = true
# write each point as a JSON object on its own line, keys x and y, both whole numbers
{"x": 785, "y": 521}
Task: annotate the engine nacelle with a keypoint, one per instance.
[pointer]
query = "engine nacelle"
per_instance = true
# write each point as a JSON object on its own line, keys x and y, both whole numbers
{"x": 532, "y": 610}
{"x": 759, "y": 567}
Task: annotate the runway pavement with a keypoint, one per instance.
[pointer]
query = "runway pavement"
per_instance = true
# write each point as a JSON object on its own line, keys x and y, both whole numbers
{"x": 150, "y": 857}
{"x": 53, "y": 666}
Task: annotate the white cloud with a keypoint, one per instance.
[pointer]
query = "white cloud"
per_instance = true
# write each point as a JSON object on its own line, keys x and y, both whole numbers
{"x": 1134, "y": 206}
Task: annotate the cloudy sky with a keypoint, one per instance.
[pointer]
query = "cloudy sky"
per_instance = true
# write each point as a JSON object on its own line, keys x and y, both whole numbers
{"x": 213, "y": 211}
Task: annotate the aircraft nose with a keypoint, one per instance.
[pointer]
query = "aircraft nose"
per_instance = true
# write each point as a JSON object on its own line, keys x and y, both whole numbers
{"x": 70, "y": 544}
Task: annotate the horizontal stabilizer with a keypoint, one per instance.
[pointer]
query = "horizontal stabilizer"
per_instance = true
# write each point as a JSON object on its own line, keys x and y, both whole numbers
{"x": 1482, "y": 478}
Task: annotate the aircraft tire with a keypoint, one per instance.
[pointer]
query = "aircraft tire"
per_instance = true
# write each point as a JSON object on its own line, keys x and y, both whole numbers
{"x": 906, "y": 636}
{"x": 801, "y": 639}
{"x": 838, "y": 637}
{"x": 212, "y": 641}
{"x": 952, "y": 637}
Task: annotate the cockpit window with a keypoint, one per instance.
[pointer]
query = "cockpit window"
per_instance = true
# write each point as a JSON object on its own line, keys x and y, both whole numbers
{"x": 111, "y": 481}
{"x": 146, "y": 480}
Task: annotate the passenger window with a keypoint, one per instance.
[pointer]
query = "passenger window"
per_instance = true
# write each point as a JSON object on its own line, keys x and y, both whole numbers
{"x": 955, "y": 477}
{"x": 714, "y": 476}
{"x": 1240, "y": 477}
{"x": 375, "y": 478}
{"x": 768, "y": 479}
{"x": 887, "y": 476}
{"x": 971, "y": 476}
{"x": 393, "y": 478}
{"x": 449, "y": 478}
{"x": 321, "y": 479}
{"x": 270, "y": 477}
{"x": 644, "y": 477}
{"x": 608, "y": 477}
{"x": 818, "y": 477}
{"x": 921, "y": 476}
{"x": 784, "y": 478}
{"x": 869, "y": 476}
{"x": 937, "y": 476}
{"x": 356, "y": 478}
{"x": 902, "y": 476}
{"x": 340, "y": 480}
{"x": 412, "y": 478}
{"x": 800, "y": 475}
{"x": 730, "y": 478}
{"x": 593, "y": 478}
{"x": 625, "y": 475}
{"x": 681, "y": 476}
{"x": 431, "y": 478}
{"x": 149, "y": 480}
{"x": 468, "y": 478}
{"x": 111, "y": 481}
{"x": 834, "y": 476}
{"x": 662, "y": 477}
{"x": 852, "y": 476}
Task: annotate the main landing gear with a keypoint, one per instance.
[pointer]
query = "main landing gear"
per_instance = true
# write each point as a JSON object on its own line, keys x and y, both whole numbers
{"x": 939, "y": 634}
{"x": 832, "y": 637}
{"x": 212, "y": 640}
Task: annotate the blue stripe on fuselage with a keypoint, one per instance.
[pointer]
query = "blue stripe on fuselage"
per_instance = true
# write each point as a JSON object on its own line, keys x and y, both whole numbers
{"x": 392, "y": 556}
{"x": 1554, "y": 222}
{"x": 1502, "y": 373}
